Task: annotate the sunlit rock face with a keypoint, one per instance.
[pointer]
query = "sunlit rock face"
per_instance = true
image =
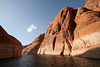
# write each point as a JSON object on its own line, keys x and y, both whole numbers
{"x": 93, "y": 5}
{"x": 59, "y": 34}
{"x": 34, "y": 46}
{"x": 73, "y": 32}
{"x": 9, "y": 46}
{"x": 86, "y": 41}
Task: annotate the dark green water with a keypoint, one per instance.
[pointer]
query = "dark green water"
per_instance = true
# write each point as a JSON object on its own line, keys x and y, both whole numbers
{"x": 49, "y": 61}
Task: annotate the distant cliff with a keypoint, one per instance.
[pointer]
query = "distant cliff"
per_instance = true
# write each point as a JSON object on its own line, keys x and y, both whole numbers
{"x": 73, "y": 32}
{"x": 9, "y": 46}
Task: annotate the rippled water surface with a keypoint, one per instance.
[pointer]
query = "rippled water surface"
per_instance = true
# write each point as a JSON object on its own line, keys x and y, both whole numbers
{"x": 49, "y": 61}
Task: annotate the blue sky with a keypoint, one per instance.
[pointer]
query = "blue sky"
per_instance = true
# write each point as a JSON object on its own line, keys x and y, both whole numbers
{"x": 26, "y": 19}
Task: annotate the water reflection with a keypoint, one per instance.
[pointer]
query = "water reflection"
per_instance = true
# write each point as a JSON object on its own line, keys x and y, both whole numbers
{"x": 49, "y": 61}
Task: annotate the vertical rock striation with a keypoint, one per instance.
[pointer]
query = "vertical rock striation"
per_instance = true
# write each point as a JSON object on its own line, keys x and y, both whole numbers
{"x": 59, "y": 34}
{"x": 87, "y": 34}
{"x": 73, "y": 32}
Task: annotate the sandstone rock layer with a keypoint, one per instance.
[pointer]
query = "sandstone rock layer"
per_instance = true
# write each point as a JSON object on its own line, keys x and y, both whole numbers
{"x": 93, "y": 5}
{"x": 73, "y": 32}
{"x": 9, "y": 46}
{"x": 34, "y": 46}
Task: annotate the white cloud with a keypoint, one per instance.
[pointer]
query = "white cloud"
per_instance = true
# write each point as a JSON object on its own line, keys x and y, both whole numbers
{"x": 31, "y": 27}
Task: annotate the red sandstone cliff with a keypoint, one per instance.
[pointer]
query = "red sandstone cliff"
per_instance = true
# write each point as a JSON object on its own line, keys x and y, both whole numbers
{"x": 9, "y": 46}
{"x": 34, "y": 46}
{"x": 73, "y": 32}
{"x": 93, "y": 5}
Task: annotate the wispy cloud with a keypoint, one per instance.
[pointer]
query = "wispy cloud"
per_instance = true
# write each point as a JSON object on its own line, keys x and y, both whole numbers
{"x": 31, "y": 27}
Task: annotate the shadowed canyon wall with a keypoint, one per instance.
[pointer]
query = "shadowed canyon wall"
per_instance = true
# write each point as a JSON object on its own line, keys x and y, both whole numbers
{"x": 9, "y": 46}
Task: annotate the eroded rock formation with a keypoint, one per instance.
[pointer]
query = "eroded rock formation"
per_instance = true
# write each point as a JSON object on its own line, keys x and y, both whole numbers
{"x": 34, "y": 46}
{"x": 86, "y": 34}
{"x": 73, "y": 32}
{"x": 93, "y": 5}
{"x": 9, "y": 46}
{"x": 59, "y": 33}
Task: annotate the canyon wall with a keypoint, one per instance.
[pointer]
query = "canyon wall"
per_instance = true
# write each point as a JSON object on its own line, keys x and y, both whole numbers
{"x": 34, "y": 46}
{"x": 74, "y": 32}
{"x": 9, "y": 46}
{"x": 93, "y": 5}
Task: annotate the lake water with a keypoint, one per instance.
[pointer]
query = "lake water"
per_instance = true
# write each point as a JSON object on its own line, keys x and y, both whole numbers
{"x": 49, "y": 61}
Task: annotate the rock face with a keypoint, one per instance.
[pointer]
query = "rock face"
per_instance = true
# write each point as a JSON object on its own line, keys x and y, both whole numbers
{"x": 9, "y": 46}
{"x": 93, "y": 5}
{"x": 34, "y": 46}
{"x": 87, "y": 34}
{"x": 73, "y": 32}
{"x": 59, "y": 34}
